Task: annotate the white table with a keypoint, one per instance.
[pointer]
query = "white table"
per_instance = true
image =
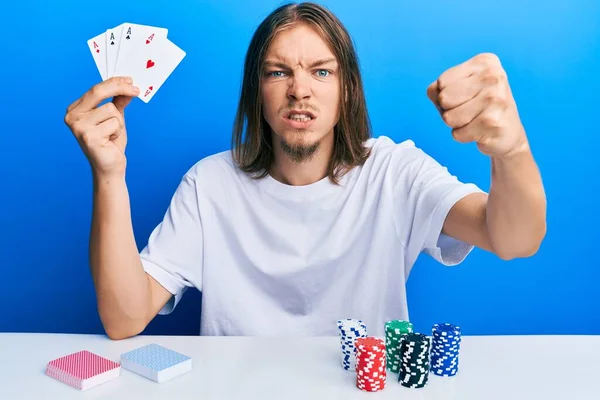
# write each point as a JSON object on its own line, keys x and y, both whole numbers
{"x": 491, "y": 367}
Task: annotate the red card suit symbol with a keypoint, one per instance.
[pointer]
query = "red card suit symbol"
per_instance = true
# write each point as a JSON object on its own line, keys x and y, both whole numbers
{"x": 149, "y": 91}
{"x": 96, "y": 47}
{"x": 150, "y": 64}
{"x": 150, "y": 38}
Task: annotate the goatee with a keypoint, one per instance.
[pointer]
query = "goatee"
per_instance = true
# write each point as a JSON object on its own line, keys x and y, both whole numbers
{"x": 300, "y": 152}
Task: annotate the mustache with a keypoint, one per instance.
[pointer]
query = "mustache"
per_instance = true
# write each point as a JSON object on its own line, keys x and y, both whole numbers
{"x": 300, "y": 107}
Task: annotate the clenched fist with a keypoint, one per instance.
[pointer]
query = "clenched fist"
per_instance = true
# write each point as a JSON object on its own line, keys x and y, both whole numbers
{"x": 474, "y": 98}
{"x": 100, "y": 131}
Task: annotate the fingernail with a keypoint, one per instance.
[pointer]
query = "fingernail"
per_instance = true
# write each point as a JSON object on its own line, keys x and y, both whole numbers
{"x": 129, "y": 80}
{"x": 136, "y": 89}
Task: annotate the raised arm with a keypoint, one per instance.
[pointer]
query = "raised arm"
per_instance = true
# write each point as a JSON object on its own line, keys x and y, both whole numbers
{"x": 475, "y": 99}
{"x": 127, "y": 297}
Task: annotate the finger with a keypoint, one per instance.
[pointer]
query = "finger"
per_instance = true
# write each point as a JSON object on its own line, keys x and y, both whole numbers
{"x": 465, "y": 113}
{"x": 103, "y": 132}
{"x": 433, "y": 94}
{"x": 460, "y": 92}
{"x": 466, "y": 134}
{"x": 73, "y": 105}
{"x": 123, "y": 101}
{"x": 104, "y": 112}
{"x": 471, "y": 132}
{"x": 112, "y": 133}
{"x": 111, "y": 87}
{"x": 458, "y": 72}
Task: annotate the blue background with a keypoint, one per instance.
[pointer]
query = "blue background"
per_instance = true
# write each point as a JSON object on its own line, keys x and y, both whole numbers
{"x": 550, "y": 50}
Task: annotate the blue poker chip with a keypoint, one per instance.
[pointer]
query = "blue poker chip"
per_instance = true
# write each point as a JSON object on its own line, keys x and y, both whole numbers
{"x": 445, "y": 348}
{"x": 446, "y": 328}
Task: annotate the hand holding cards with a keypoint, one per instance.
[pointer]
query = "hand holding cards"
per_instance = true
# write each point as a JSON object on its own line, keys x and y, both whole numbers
{"x": 140, "y": 51}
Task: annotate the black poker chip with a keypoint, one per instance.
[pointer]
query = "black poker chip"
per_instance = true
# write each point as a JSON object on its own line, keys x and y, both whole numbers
{"x": 415, "y": 351}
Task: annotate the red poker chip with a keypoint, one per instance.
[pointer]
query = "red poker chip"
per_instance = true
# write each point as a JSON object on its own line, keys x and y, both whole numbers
{"x": 378, "y": 382}
{"x": 365, "y": 365}
{"x": 375, "y": 380}
{"x": 370, "y": 385}
{"x": 372, "y": 377}
{"x": 371, "y": 374}
{"x": 370, "y": 342}
{"x": 370, "y": 388}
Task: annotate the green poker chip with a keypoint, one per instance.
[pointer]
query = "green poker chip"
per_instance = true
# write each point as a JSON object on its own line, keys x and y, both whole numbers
{"x": 393, "y": 336}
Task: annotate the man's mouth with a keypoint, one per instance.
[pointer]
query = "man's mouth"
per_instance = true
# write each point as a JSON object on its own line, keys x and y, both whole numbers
{"x": 300, "y": 115}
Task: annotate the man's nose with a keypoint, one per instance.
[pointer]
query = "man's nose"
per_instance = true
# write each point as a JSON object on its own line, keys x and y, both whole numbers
{"x": 299, "y": 87}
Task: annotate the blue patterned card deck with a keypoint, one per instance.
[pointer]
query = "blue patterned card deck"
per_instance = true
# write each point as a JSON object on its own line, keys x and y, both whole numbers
{"x": 156, "y": 362}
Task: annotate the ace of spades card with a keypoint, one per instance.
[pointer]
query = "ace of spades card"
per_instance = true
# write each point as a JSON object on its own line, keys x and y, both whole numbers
{"x": 113, "y": 39}
{"x": 140, "y": 51}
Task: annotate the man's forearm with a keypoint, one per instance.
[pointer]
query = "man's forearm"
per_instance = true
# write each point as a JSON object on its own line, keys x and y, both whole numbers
{"x": 122, "y": 287}
{"x": 516, "y": 208}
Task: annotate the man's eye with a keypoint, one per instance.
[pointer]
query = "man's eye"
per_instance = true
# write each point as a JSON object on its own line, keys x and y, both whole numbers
{"x": 276, "y": 74}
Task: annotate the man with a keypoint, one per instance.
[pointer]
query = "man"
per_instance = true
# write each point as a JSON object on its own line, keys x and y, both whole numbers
{"x": 308, "y": 219}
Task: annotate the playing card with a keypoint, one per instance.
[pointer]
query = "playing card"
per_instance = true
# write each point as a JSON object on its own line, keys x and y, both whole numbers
{"x": 97, "y": 46}
{"x": 156, "y": 362}
{"x": 134, "y": 36}
{"x": 150, "y": 65}
{"x": 113, "y": 38}
{"x": 83, "y": 369}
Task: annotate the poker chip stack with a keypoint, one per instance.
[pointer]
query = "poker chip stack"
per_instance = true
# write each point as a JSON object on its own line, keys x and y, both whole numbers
{"x": 370, "y": 364}
{"x": 393, "y": 332}
{"x": 415, "y": 349}
{"x": 350, "y": 329}
{"x": 445, "y": 348}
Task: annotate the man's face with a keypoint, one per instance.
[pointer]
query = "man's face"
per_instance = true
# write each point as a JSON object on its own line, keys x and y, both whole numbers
{"x": 300, "y": 74}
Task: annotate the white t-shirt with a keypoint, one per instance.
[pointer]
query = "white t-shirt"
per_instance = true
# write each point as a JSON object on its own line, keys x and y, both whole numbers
{"x": 274, "y": 259}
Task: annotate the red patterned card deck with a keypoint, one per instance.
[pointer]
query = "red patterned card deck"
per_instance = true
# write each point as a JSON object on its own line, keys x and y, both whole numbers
{"x": 83, "y": 369}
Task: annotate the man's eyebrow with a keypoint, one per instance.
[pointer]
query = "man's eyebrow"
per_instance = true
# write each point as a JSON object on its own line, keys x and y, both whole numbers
{"x": 317, "y": 63}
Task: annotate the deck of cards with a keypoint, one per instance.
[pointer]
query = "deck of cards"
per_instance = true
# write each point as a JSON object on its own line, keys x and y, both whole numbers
{"x": 140, "y": 51}
{"x": 84, "y": 370}
{"x": 156, "y": 362}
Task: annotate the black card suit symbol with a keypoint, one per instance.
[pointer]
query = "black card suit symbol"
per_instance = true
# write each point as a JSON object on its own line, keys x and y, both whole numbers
{"x": 111, "y": 43}
{"x": 127, "y": 37}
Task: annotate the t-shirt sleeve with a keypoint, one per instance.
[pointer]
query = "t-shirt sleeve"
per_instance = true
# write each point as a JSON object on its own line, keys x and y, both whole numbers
{"x": 426, "y": 192}
{"x": 174, "y": 253}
